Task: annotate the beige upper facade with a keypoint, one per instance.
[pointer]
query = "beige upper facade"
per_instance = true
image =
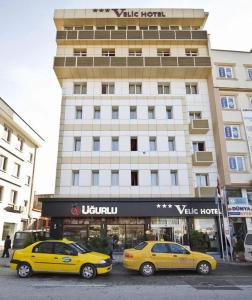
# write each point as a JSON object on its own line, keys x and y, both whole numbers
{"x": 232, "y": 80}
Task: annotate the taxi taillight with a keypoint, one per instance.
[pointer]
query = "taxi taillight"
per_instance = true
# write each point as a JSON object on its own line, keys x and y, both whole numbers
{"x": 12, "y": 254}
{"x": 128, "y": 255}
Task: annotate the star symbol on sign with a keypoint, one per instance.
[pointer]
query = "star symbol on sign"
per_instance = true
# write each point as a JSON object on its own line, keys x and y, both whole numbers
{"x": 170, "y": 206}
{"x": 158, "y": 205}
{"x": 164, "y": 205}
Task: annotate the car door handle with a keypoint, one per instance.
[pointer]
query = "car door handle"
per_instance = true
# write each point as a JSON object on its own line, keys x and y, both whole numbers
{"x": 154, "y": 255}
{"x": 55, "y": 257}
{"x": 33, "y": 256}
{"x": 175, "y": 256}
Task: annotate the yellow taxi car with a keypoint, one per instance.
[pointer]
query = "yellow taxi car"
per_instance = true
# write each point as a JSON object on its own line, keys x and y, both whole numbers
{"x": 151, "y": 256}
{"x": 59, "y": 256}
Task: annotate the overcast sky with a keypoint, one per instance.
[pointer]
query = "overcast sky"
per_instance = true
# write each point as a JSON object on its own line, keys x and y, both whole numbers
{"x": 27, "y": 48}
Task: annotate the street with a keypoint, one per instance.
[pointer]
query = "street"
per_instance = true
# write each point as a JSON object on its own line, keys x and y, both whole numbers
{"x": 229, "y": 281}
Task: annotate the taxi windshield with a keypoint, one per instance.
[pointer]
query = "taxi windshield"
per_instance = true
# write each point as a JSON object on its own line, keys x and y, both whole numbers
{"x": 80, "y": 248}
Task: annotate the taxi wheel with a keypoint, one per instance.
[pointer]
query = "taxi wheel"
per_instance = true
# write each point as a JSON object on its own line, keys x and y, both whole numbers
{"x": 88, "y": 271}
{"x": 147, "y": 269}
{"x": 203, "y": 268}
{"x": 24, "y": 270}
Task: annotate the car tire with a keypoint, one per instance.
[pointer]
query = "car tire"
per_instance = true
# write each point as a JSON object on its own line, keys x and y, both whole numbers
{"x": 88, "y": 271}
{"x": 203, "y": 268}
{"x": 24, "y": 270}
{"x": 147, "y": 269}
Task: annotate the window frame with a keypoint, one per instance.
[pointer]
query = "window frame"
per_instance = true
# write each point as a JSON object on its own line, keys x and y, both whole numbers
{"x": 75, "y": 177}
{"x": 235, "y": 158}
{"x": 82, "y": 88}
{"x": 227, "y": 100}
{"x": 223, "y": 70}
{"x": 232, "y": 128}
{"x": 174, "y": 175}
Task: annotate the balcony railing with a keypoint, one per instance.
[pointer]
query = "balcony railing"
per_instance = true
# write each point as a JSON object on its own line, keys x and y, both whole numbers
{"x": 199, "y": 126}
{"x": 202, "y": 158}
{"x": 205, "y": 191}
{"x": 114, "y": 61}
{"x": 131, "y": 35}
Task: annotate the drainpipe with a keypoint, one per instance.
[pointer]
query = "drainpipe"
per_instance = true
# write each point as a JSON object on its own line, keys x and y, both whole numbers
{"x": 32, "y": 185}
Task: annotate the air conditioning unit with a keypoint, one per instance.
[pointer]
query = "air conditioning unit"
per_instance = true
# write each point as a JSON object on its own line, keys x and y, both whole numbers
{"x": 21, "y": 208}
{"x": 16, "y": 207}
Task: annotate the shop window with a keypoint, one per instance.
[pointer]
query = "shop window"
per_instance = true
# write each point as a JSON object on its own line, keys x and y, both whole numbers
{"x": 133, "y": 144}
{"x": 115, "y": 112}
{"x": 134, "y": 178}
{"x": 195, "y": 115}
{"x": 133, "y": 112}
{"x": 78, "y": 112}
{"x": 97, "y": 112}
{"x": 191, "y": 88}
{"x": 198, "y": 146}
{"x": 108, "y": 88}
{"x": 80, "y": 88}
{"x": 153, "y": 143}
{"x": 163, "y": 88}
{"x": 44, "y": 247}
{"x": 115, "y": 143}
{"x": 171, "y": 143}
{"x": 151, "y": 112}
{"x": 169, "y": 112}
{"x": 8, "y": 229}
{"x": 206, "y": 229}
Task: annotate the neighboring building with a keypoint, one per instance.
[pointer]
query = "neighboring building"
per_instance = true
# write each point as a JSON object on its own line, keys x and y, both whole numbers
{"x": 232, "y": 118}
{"x": 18, "y": 146}
{"x": 136, "y": 155}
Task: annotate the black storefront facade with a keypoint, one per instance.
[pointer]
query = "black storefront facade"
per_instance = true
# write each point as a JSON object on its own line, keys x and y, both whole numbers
{"x": 130, "y": 221}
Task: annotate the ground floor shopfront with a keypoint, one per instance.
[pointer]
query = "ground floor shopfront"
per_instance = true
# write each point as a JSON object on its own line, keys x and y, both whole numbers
{"x": 130, "y": 221}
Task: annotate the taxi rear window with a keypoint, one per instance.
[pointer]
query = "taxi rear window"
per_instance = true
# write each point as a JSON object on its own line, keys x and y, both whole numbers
{"x": 140, "y": 246}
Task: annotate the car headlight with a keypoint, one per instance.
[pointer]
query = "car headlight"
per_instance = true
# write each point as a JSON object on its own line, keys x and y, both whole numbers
{"x": 102, "y": 261}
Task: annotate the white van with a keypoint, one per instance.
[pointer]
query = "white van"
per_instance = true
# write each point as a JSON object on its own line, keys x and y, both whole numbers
{"x": 248, "y": 246}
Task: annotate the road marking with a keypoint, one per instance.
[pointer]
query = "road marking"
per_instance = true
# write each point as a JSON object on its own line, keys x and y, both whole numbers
{"x": 69, "y": 285}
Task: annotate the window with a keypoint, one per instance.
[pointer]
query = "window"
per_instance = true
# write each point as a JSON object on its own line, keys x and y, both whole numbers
{"x": 232, "y": 132}
{"x": 143, "y": 27}
{"x": 160, "y": 248}
{"x": 236, "y": 163}
{"x": 225, "y": 72}
{"x": 95, "y": 178}
{"x": 133, "y": 143}
{"x": 174, "y": 27}
{"x": 75, "y": 177}
{"x": 169, "y": 112}
{"x": 114, "y": 177}
{"x": 122, "y": 27}
{"x": 195, "y": 115}
{"x": 135, "y": 52}
{"x": 77, "y": 143}
{"x": 97, "y": 112}
{"x": 78, "y": 27}
{"x": 1, "y": 193}
{"x": 153, "y": 27}
{"x": 191, "y": 88}
{"x": 80, "y": 52}
{"x": 132, "y": 28}
{"x": 13, "y": 197}
{"x": 163, "y": 52}
{"x": 68, "y": 28}
{"x": 135, "y": 88}
{"x": 228, "y": 102}
{"x": 108, "y": 88}
{"x": 191, "y": 52}
{"x": 115, "y": 112}
{"x": 3, "y": 163}
{"x": 133, "y": 112}
{"x": 108, "y": 52}
{"x": 110, "y": 27}
{"x": 7, "y": 133}
{"x": 151, "y": 112}
{"x": 174, "y": 177}
{"x": 80, "y": 88}
{"x": 154, "y": 178}
{"x": 202, "y": 179}
{"x": 78, "y": 112}
{"x": 28, "y": 180}
{"x": 100, "y": 27}
{"x": 88, "y": 27}
{"x": 198, "y": 146}
{"x": 165, "y": 27}
{"x": 250, "y": 73}
{"x": 30, "y": 157}
{"x": 171, "y": 143}
{"x": 16, "y": 170}
{"x": 64, "y": 249}
{"x": 134, "y": 178}
{"x": 153, "y": 143}
{"x": 44, "y": 247}
{"x": 163, "y": 88}
{"x": 96, "y": 144}
{"x": 115, "y": 143}
{"x": 20, "y": 144}
{"x": 175, "y": 248}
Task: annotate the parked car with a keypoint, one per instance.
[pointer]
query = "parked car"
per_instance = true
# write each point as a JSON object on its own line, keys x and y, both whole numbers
{"x": 24, "y": 238}
{"x": 59, "y": 256}
{"x": 148, "y": 257}
{"x": 248, "y": 246}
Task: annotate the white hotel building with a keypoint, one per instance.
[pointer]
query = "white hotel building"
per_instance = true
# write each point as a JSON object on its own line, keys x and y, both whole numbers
{"x": 136, "y": 156}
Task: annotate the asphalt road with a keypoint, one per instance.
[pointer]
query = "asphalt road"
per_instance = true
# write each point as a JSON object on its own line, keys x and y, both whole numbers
{"x": 229, "y": 281}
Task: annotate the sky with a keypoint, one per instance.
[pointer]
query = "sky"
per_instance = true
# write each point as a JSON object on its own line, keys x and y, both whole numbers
{"x": 27, "y": 47}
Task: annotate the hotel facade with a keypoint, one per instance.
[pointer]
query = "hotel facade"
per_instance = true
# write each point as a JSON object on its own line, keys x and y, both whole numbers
{"x": 18, "y": 148}
{"x": 136, "y": 156}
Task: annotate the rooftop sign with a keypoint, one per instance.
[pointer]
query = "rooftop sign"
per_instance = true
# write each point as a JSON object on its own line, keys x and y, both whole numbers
{"x": 124, "y": 13}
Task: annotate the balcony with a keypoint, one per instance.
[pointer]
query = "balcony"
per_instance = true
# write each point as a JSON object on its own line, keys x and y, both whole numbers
{"x": 159, "y": 67}
{"x": 202, "y": 158}
{"x": 199, "y": 126}
{"x": 83, "y": 36}
{"x": 205, "y": 191}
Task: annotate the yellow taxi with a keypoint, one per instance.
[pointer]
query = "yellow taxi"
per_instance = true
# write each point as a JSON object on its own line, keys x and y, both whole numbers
{"x": 59, "y": 256}
{"x": 148, "y": 257}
